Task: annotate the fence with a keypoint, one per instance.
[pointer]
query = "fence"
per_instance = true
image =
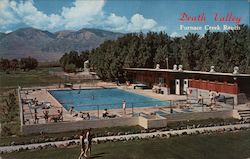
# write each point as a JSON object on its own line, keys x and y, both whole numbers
{"x": 214, "y": 86}
{"x": 20, "y": 105}
{"x": 134, "y": 108}
{"x": 41, "y": 114}
{"x": 160, "y": 122}
{"x": 36, "y": 115}
{"x": 115, "y": 109}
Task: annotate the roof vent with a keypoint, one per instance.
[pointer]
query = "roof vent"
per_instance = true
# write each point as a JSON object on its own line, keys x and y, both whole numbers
{"x": 212, "y": 69}
{"x": 175, "y": 67}
{"x": 157, "y": 66}
{"x": 236, "y": 70}
{"x": 180, "y": 68}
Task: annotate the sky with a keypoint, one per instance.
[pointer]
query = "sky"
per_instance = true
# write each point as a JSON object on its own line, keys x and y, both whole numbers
{"x": 118, "y": 15}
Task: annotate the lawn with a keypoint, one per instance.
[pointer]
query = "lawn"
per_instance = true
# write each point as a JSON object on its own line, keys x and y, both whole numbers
{"x": 234, "y": 145}
{"x": 37, "y": 77}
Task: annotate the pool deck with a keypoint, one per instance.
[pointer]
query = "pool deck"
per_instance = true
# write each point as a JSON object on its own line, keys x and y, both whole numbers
{"x": 42, "y": 95}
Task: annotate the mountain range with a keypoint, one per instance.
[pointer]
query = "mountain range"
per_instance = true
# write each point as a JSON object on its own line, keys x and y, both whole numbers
{"x": 47, "y": 46}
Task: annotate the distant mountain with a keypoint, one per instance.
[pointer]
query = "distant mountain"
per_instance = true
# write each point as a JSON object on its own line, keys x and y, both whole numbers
{"x": 47, "y": 46}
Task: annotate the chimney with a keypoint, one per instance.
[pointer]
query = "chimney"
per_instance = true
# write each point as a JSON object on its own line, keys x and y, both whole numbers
{"x": 236, "y": 70}
{"x": 212, "y": 69}
{"x": 180, "y": 68}
{"x": 175, "y": 67}
{"x": 157, "y": 66}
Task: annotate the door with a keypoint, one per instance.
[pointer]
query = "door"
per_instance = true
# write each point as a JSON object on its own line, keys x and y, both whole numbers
{"x": 185, "y": 86}
{"x": 177, "y": 87}
{"x": 172, "y": 87}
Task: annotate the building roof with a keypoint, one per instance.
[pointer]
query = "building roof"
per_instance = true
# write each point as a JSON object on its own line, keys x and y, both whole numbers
{"x": 189, "y": 72}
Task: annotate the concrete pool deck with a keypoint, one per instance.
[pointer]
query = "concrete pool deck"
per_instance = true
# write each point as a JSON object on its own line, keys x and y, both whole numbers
{"x": 42, "y": 95}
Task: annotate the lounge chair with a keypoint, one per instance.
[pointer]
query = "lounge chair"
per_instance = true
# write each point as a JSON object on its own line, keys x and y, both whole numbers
{"x": 56, "y": 118}
{"x": 109, "y": 116}
{"x": 42, "y": 105}
{"x": 112, "y": 116}
{"x": 27, "y": 101}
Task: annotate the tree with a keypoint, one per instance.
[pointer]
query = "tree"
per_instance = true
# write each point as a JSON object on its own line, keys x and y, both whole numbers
{"x": 73, "y": 58}
{"x": 161, "y": 54}
{"x": 64, "y": 60}
{"x": 84, "y": 56}
{"x": 224, "y": 50}
{"x": 14, "y": 64}
{"x": 28, "y": 63}
{"x": 189, "y": 47}
{"x": 4, "y": 64}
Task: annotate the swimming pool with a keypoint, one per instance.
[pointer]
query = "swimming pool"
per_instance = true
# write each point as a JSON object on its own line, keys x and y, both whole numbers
{"x": 101, "y": 98}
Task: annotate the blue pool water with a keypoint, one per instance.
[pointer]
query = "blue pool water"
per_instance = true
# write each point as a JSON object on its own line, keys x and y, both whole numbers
{"x": 111, "y": 98}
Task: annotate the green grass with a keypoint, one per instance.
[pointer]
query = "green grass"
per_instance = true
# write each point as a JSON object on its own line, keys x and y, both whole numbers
{"x": 9, "y": 118}
{"x": 234, "y": 145}
{"x": 37, "y": 77}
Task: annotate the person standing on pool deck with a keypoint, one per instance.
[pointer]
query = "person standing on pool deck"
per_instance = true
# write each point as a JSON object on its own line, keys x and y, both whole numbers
{"x": 71, "y": 110}
{"x": 124, "y": 106}
{"x": 200, "y": 99}
{"x": 211, "y": 97}
{"x": 46, "y": 115}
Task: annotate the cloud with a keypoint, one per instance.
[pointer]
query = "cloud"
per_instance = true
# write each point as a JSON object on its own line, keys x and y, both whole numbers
{"x": 13, "y": 13}
{"x": 138, "y": 23}
{"x": 81, "y": 14}
{"x": 31, "y": 16}
{"x": 7, "y": 16}
{"x": 116, "y": 23}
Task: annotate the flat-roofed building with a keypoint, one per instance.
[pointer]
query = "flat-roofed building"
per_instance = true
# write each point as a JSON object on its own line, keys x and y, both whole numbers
{"x": 178, "y": 81}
